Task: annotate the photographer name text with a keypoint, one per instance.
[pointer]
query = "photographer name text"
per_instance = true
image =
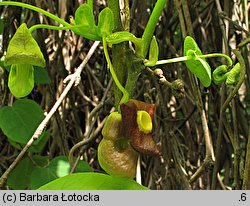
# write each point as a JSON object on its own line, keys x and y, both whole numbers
{"x": 38, "y": 197}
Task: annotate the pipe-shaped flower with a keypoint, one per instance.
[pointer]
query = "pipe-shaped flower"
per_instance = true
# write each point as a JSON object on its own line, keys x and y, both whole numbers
{"x": 137, "y": 126}
{"x": 115, "y": 154}
{"x": 22, "y": 54}
{"x": 124, "y": 135}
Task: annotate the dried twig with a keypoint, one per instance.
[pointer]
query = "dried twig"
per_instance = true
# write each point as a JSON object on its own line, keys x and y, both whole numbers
{"x": 90, "y": 136}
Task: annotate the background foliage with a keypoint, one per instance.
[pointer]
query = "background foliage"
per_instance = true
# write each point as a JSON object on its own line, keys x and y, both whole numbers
{"x": 177, "y": 121}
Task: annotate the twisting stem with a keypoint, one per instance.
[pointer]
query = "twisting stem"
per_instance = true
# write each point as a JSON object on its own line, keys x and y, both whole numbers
{"x": 86, "y": 32}
{"x": 209, "y": 159}
{"x": 150, "y": 27}
{"x": 127, "y": 16}
{"x": 230, "y": 62}
{"x": 34, "y": 8}
{"x": 45, "y": 26}
{"x": 118, "y": 51}
{"x": 116, "y": 80}
{"x": 241, "y": 79}
{"x": 235, "y": 143}
{"x": 114, "y": 6}
{"x": 223, "y": 109}
{"x": 237, "y": 153}
{"x": 90, "y": 135}
{"x": 225, "y": 49}
{"x": 246, "y": 178}
{"x": 181, "y": 18}
{"x": 187, "y": 16}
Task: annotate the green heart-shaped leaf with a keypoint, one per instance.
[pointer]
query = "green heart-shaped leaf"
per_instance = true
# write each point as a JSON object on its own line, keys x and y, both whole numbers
{"x": 23, "y": 49}
{"x": 84, "y": 16}
{"x": 106, "y": 22}
{"x": 58, "y": 167}
{"x": 24, "y": 170}
{"x": 41, "y": 176}
{"x": 41, "y": 76}
{"x": 61, "y": 167}
{"x": 20, "y": 121}
{"x": 21, "y": 79}
{"x": 92, "y": 181}
{"x": 198, "y": 66}
{"x": 153, "y": 53}
{"x": 90, "y": 3}
{"x": 84, "y": 22}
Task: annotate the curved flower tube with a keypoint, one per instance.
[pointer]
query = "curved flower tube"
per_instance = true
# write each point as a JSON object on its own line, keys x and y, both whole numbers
{"x": 22, "y": 54}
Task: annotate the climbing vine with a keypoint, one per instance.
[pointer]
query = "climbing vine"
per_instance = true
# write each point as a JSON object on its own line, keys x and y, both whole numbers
{"x": 130, "y": 131}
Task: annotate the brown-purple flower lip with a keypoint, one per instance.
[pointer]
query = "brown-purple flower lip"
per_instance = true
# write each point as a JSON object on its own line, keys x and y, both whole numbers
{"x": 142, "y": 141}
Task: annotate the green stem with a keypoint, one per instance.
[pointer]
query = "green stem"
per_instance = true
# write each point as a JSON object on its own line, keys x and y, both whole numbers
{"x": 178, "y": 59}
{"x": 230, "y": 62}
{"x": 114, "y": 6}
{"x": 123, "y": 36}
{"x": 118, "y": 51}
{"x": 34, "y": 8}
{"x": 85, "y": 34}
{"x": 127, "y": 16}
{"x": 125, "y": 97}
{"x": 150, "y": 27}
{"x": 246, "y": 178}
{"x": 185, "y": 58}
{"x": 45, "y": 26}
